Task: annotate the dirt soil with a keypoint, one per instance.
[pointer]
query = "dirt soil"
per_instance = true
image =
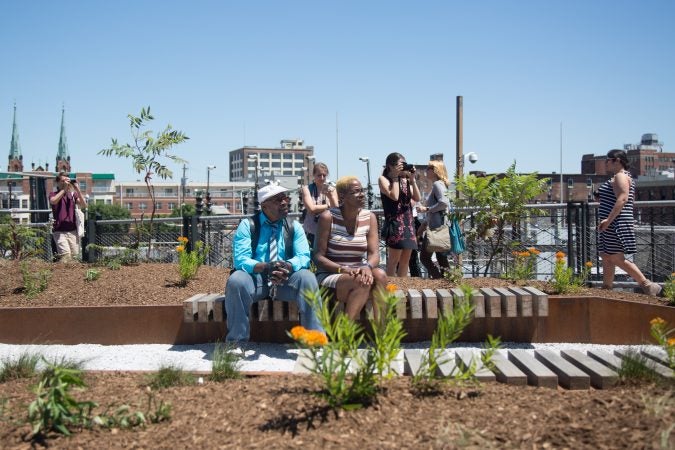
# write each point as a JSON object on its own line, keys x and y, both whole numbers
{"x": 283, "y": 411}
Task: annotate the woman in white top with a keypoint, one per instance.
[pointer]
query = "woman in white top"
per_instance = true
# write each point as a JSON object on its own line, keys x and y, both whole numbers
{"x": 317, "y": 197}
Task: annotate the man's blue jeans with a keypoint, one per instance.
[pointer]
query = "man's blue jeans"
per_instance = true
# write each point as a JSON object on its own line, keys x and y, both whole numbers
{"x": 243, "y": 289}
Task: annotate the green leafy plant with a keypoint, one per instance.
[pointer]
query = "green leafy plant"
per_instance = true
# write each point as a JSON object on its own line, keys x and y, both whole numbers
{"x": 661, "y": 334}
{"x": 634, "y": 368}
{"x": 19, "y": 241}
{"x": 189, "y": 261}
{"x": 669, "y": 289}
{"x": 348, "y": 375}
{"x": 168, "y": 376}
{"x": 524, "y": 264}
{"x": 145, "y": 153}
{"x": 34, "y": 282}
{"x": 55, "y": 409}
{"x": 501, "y": 203}
{"x": 92, "y": 274}
{"x": 225, "y": 363}
{"x": 387, "y": 331}
{"x": 454, "y": 274}
{"x": 122, "y": 417}
{"x": 564, "y": 280}
{"x": 25, "y": 366}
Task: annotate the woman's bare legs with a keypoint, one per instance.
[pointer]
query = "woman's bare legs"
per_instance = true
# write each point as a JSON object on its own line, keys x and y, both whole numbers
{"x": 403, "y": 261}
{"x": 393, "y": 257}
{"x": 353, "y": 294}
{"x": 610, "y": 262}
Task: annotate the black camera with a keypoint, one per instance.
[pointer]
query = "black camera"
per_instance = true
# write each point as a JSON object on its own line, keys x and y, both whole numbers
{"x": 408, "y": 167}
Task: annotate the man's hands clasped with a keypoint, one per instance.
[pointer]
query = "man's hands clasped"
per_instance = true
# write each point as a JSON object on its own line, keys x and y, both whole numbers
{"x": 279, "y": 271}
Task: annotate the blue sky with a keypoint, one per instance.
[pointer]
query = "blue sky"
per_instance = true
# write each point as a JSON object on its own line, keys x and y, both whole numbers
{"x": 230, "y": 73}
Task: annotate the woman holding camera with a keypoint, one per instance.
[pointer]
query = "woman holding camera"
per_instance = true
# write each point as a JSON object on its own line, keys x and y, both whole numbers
{"x": 317, "y": 197}
{"x": 64, "y": 230}
{"x": 436, "y": 209}
{"x": 398, "y": 188}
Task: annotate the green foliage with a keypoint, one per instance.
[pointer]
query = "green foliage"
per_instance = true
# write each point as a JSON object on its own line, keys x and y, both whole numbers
{"x": 225, "y": 363}
{"x": 502, "y": 202}
{"x": 187, "y": 210}
{"x": 122, "y": 417}
{"x": 189, "y": 261}
{"x": 634, "y": 368}
{"x": 454, "y": 274}
{"x": 19, "y": 241}
{"x": 523, "y": 266}
{"x": 387, "y": 332}
{"x": 146, "y": 152}
{"x": 55, "y": 409}
{"x": 658, "y": 328}
{"x": 123, "y": 256}
{"x": 92, "y": 274}
{"x": 110, "y": 212}
{"x": 168, "y": 376}
{"x": 669, "y": 289}
{"x": 348, "y": 376}
{"x": 22, "y": 367}
{"x": 564, "y": 280}
{"x": 34, "y": 282}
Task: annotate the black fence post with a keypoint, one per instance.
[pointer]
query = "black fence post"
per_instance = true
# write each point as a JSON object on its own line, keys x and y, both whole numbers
{"x": 194, "y": 231}
{"x": 570, "y": 235}
{"x": 92, "y": 254}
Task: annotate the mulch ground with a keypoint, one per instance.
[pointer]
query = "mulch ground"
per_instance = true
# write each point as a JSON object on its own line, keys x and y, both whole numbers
{"x": 283, "y": 411}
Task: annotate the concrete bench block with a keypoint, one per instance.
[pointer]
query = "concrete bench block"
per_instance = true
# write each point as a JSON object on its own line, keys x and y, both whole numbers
{"x": 660, "y": 369}
{"x": 569, "y": 376}
{"x": 507, "y": 372}
{"x": 539, "y": 300}
{"x": 602, "y": 377}
{"x": 412, "y": 361}
{"x": 537, "y": 373}
{"x": 401, "y": 305}
{"x": 493, "y": 303}
{"x": 430, "y": 304}
{"x": 415, "y": 301}
{"x": 508, "y": 302}
{"x": 445, "y": 298}
{"x": 467, "y": 358}
{"x": 190, "y": 312}
{"x": 523, "y": 302}
{"x": 606, "y": 359}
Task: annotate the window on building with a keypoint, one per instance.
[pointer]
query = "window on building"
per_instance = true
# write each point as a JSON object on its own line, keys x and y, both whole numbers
{"x": 276, "y": 165}
{"x": 264, "y": 156}
{"x": 142, "y": 206}
{"x": 276, "y": 155}
{"x": 24, "y": 204}
{"x": 171, "y": 206}
{"x": 288, "y": 165}
{"x": 288, "y": 155}
{"x": 129, "y": 191}
{"x": 158, "y": 205}
{"x": 168, "y": 191}
{"x": 108, "y": 202}
{"x": 129, "y": 206}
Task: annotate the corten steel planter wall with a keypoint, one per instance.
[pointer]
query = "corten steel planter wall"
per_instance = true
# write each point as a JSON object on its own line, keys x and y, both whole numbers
{"x": 580, "y": 320}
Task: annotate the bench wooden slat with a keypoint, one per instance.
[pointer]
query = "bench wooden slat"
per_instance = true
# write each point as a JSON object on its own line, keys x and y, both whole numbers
{"x": 523, "y": 302}
{"x": 540, "y": 301}
{"x": 263, "y": 310}
{"x": 415, "y": 299}
{"x": 493, "y": 302}
{"x": 446, "y": 300}
{"x": 293, "y": 312}
{"x": 277, "y": 310}
{"x": 401, "y": 305}
{"x": 430, "y": 303}
{"x": 508, "y": 300}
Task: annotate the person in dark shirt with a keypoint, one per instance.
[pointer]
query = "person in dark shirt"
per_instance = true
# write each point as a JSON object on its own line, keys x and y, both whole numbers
{"x": 64, "y": 229}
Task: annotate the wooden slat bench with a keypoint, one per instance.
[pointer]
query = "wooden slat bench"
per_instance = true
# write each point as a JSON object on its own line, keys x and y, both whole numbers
{"x": 414, "y": 305}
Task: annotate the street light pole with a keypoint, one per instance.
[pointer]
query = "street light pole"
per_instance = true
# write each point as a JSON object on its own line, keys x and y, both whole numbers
{"x": 366, "y": 160}
{"x": 255, "y": 188}
{"x": 208, "y": 193}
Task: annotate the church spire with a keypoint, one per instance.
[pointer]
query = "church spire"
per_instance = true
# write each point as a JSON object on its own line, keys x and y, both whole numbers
{"x": 15, "y": 159}
{"x": 62, "y": 157}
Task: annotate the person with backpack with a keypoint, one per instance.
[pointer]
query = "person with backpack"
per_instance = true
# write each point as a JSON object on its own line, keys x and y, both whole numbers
{"x": 271, "y": 260}
{"x": 317, "y": 197}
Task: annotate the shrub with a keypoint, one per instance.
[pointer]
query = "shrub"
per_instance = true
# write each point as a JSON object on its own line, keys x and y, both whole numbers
{"x": 168, "y": 376}
{"x": 25, "y": 366}
{"x": 564, "y": 280}
{"x": 34, "y": 282}
{"x": 225, "y": 363}
{"x": 189, "y": 261}
{"x": 669, "y": 289}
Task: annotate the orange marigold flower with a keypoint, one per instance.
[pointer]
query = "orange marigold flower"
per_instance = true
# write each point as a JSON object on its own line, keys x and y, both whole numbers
{"x": 657, "y": 321}
{"x": 533, "y": 250}
{"x": 671, "y": 342}
{"x": 183, "y": 239}
{"x": 391, "y": 288}
{"x": 180, "y": 248}
{"x": 672, "y": 275}
{"x": 297, "y": 332}
{"x": 314, "y": 338}
{"x": 589, "y": 264}
{"x": 559, "y": 255}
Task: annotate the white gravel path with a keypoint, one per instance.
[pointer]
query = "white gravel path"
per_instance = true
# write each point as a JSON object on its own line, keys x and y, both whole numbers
{"x": 261, "y": 357}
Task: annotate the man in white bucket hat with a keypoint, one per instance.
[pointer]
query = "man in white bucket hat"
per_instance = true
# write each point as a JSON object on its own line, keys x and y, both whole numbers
{"x": 271, "y": 259}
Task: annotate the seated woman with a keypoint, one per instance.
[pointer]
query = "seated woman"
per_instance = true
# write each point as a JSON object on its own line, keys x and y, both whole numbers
{"x": 346, "y": 249}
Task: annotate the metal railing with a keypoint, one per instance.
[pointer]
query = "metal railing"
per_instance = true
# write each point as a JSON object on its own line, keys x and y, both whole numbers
{"x": 570, "y": 228}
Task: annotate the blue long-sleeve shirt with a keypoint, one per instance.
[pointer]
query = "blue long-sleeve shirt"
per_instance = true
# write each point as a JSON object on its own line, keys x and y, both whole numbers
{"x": 245, "y": 260}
